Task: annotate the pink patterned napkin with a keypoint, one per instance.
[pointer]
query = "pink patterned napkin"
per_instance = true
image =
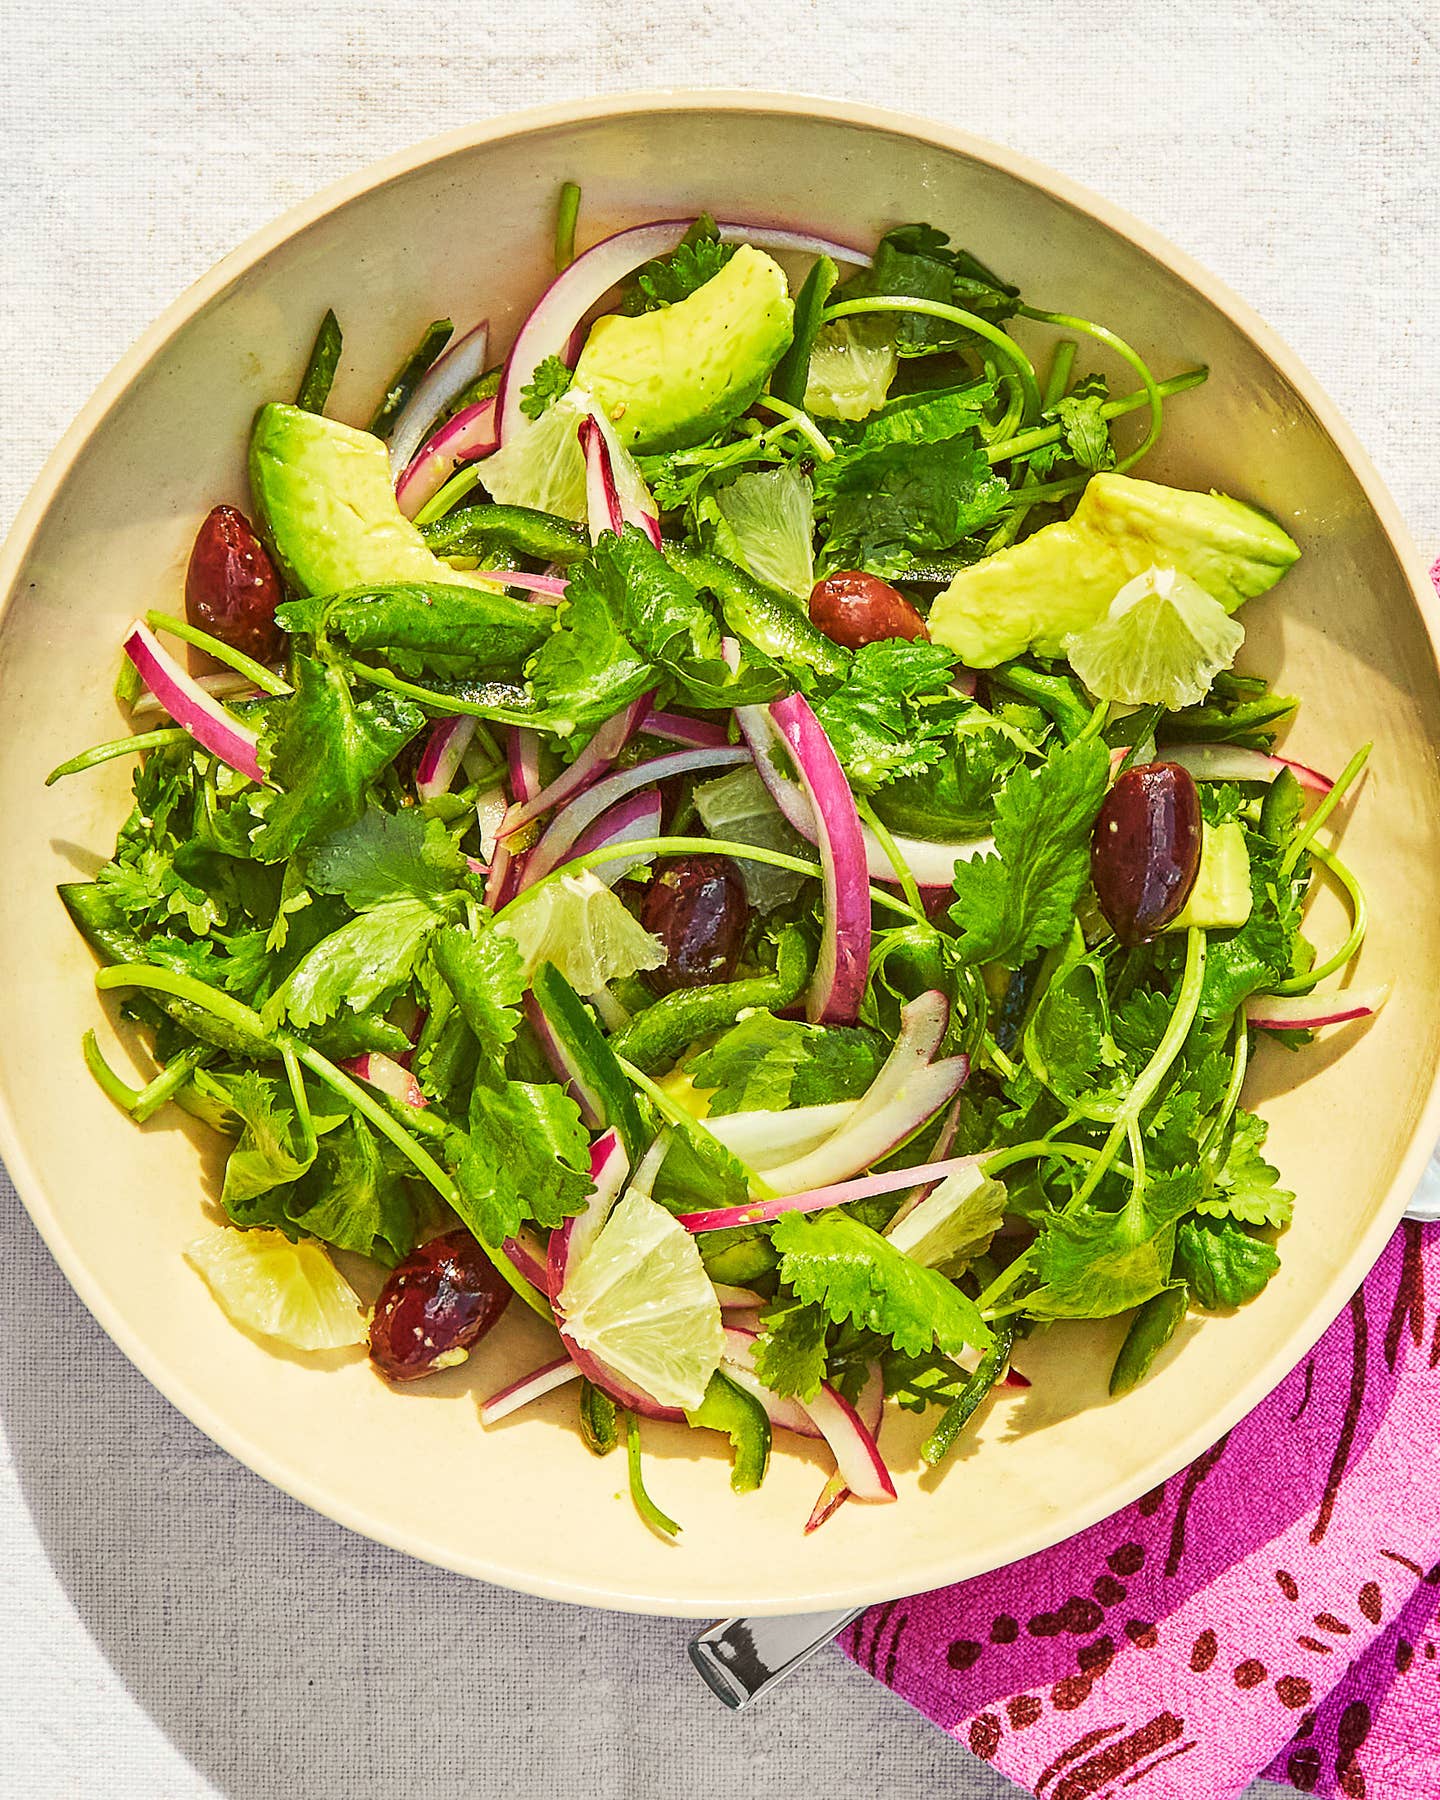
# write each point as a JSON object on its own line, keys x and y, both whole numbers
{"x": 1274, "y": 1609}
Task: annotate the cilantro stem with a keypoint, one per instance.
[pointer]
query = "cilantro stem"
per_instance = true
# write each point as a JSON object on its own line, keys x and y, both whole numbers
{"x": 1004, "y": 1281}
{"x": 168, "y": 1083}
{"x": 883, "y": 836}
{"x": 699, "y": 846}
{"x": 657, "y": 1521}
{"x": 456, "y": 488}
{"x": 1343, "y": 781}
{"x": 1021, "y": 368}
{"x": 1239, "y": 1061}
{"x": 265, "y": 679}
{"x": 1147, "y": 1082}
{"x": 109, "y": 1083}
{"x": 445, "y": 703}
{"x": 567, "y": 214}
{"x": 675, "y": 1114}
{"x": 1121, "y": 349}
{"x": 126, "y": 746}
{"x": 1062, "y": 363}
{"x": 1359, "y": 912}
{"x": 1041, "y": 435}
{"x": 799, "y": 420}
{"x": 997, "y": 1056}
{"x": 303, "y": 1116}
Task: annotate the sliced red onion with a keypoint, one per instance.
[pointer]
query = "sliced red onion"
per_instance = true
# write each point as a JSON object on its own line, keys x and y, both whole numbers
{"x": 441, "y": 385}
{"x": 567, "y": 827}
{"x": 490, "y": 809}
{"x": 592, "y": 762}
{"x": 843, "y": 964}
{"x": 543, "y": 1380}
{"x": 389, "y": 1076}
{"x": 529, "y": 1257}
{"x": 932, "y": 865}
{"x": 1308, "y": 1012}
{"x": 228, "y": 684}
{"x": 965, "y": 681}
{"x": 763, "y": 1139}
{"x": 554, "y": 325}
{"x": 466, "y": 438}
{"x": 190, "y": 706}
{"x": 832, "y": 1497}
{"x": 607, "y": 507}
{"x": 840, "y": 1193}
{"x": 523, "y": 756}
{"x": 628, "y": 821}
{"x": 609, "y": 1166}
{"x": 700, "y": 734}
{"x": 949, "y": 1130}
{"x": 1230, "y": 762}
{"x": 448, "y": 741}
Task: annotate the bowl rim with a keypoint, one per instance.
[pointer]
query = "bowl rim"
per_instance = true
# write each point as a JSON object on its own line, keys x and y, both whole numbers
{"x": 211, "y": 286}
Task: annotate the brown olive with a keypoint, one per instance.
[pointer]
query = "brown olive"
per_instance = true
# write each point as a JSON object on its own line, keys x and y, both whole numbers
{"x": 435, "y": 1307}
{"x": 696, "y": 906}
{"x": 231, "y": 588}
{"x": 854, "y": 609}
{"x": 1145, "y": 851}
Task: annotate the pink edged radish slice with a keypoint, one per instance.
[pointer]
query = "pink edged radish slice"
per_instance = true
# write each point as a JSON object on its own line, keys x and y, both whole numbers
{"x": 1231, "y": 762}
{"x": 529, "y": 1257}
{"x": 699, "y": 734}
{"x": 840, "y": 1193}
{"x": 440, "y": 387}
{"x": 830, "y": 1415}
{"x": 871, "y": 1408}
{"x": 543, "y": 1380}
{"x": 191, "y": 707}
{"x": 1308, "y": 1012}
{"x": 764, "y": 1139}
{"x": 389, "y": 1076}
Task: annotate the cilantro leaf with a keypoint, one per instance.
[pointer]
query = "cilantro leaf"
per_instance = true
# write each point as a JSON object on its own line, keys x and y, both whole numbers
{"x": 371, "y": 955}
{"x": 589, "y": 668}
{"x": 1092, "y": 1264}
{"x": 527, "y": 1159}
{"x": 356, "y": 1196}
{"x": 323, "y": 749}
{"x": 895, "y": 713}
{"x": 149, "y": 888}
{"x": 386, "y": 856}
{"x": 552, "y": 378}
{"x": 487, "y": 977}
{"x": 919, "y": 261}
{"x": 1246, "y": 1186}
{"x": 436, "y": 624}
{"x": 765, "y": 1064}
{"x": 955, "y": 797}
{"x": 790, "y": 1353}
{"x": 697, "y": 258}
{"x": 881, "y": 506}
{"x": 1023, "y": 899}
{"x": 1223, "y": 1263}
{"x": 269, "y": 1154}
{"x": 1086, "y": 430}
{"x": 835, "y": 1262}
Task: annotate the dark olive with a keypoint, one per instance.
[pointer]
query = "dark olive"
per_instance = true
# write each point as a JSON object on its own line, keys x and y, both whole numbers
{"x": 435, "y": 1307}
{"x": 1145, "y": 851}
{"x": 854, "y": 609}
{"x": 696, "y": 906}
{"x": 231, "y": 588}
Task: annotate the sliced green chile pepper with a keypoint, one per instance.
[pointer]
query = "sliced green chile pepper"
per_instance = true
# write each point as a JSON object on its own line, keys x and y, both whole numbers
{"x": 594, "y": 1070}
{"x": 775, "y": 624}
{"x": 470, "y": 530}
{"x": 654, "y": 1040}
{"x": 1059, "y": 695}
{"x": 1152, "y": 1328}
{"x": 958, "y": 1413}
{"x": 729, "y": 1409}
{"x": 598, "y": 1423}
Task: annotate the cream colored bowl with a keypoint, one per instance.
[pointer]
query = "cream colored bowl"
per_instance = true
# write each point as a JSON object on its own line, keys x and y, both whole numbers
{"x": 463, "y": 226}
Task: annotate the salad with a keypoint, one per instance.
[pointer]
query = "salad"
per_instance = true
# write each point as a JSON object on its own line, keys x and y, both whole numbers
{"x": 734, "y": 826}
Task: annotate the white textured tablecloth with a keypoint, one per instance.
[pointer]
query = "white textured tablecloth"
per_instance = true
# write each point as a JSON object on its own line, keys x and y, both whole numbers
{"x": 170, "y": 1627}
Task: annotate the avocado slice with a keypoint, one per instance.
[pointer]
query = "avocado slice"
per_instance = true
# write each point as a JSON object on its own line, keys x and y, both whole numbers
{"x": 1220, "y": 899}
{"x": 327, "y": 507}
{"x": 669, "y": 379}
{"x": 1062, "y": 578}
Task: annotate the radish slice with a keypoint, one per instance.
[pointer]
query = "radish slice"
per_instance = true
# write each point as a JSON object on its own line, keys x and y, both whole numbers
{"x": 763, "y": 1139}
{"x": 839, "y": 1193}
{"x": 831, "y": 1416}
{"x": 470, "y": 435}
{"x": 522, "y": 754}
{"x": 559, "y": 840}
{"x": 932, "y": 865}
{"x": 788, "y": 1415}
{"x": 948, "y": 1132}
{"x": 490, "y": 808}
{"x": 629, "y": 821}
{"x": 529, "y": 1259}
{"x": 592, "y": 762}
{"x": 228, "y": 684}
{"x": 541, "y": 588}
{"x": 606, "y": 507}
{"x": 448, "y": 741}
{"x": 543, "y": 1380}
{"x": 842, "y": 966}
{"x": 190, "y": 706}
{"x": 440, "y": 386}
{"x": 389, "y": 1076}
{"x": 1308, "y": 1012}
{"x": 553, "y": 327}
{"x": 701, "y": 734}
{"x": 742, "y": 1298}
{"x": 871, "y": 1408}
{"x": 1229, "y": 762}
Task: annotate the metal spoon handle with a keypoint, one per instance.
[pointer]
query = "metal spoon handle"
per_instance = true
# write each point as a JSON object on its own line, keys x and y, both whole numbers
{"x": 741, "y": 1659}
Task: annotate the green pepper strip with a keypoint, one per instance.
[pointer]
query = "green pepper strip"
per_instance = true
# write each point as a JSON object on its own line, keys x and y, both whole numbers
{"x": 791, "y": 375}
{"x": 654, "y": 1039}
{"x": 265, "y": 679}
{"x": 126, "y": 746}
{"x": 597, "y": 1419}
{"x": 1020, "y": 368}
{"x": 1054, "y": 694}
{"x": 771, "y": 621}
{"x": 959, "y": 1412}
{"x": 644, "y": 1505}
{"x": 545, "y": 536}
{"x": 406, "y": 379}
{"x": 741, "y": 1417}
{"x": 319, "y": 376}
{"x": 1152, "y": 1328}
{"x": 244, "y": 1021}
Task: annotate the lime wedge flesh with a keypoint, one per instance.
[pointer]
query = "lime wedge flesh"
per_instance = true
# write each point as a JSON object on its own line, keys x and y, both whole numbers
{"x": 1162, "y": 643}
{"x": 576, "y": 923}
{"x": 290, "y": 1292}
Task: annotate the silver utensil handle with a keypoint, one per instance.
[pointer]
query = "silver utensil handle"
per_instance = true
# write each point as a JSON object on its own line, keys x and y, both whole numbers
{"x": 741, "y": 1659}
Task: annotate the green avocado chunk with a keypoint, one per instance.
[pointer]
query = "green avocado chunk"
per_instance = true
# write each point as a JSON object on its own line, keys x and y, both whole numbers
{"x": 669, "y": 379}
{"x": 1062, "y": 578}
{"x": 327, "y": 507}
{"x": 1221, "y": 898}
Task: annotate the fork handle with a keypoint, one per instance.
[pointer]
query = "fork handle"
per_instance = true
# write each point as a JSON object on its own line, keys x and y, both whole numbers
{"x": 741, "y": 1659}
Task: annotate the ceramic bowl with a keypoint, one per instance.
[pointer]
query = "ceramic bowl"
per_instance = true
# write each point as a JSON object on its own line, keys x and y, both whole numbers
{"x": 462, "y": 226}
